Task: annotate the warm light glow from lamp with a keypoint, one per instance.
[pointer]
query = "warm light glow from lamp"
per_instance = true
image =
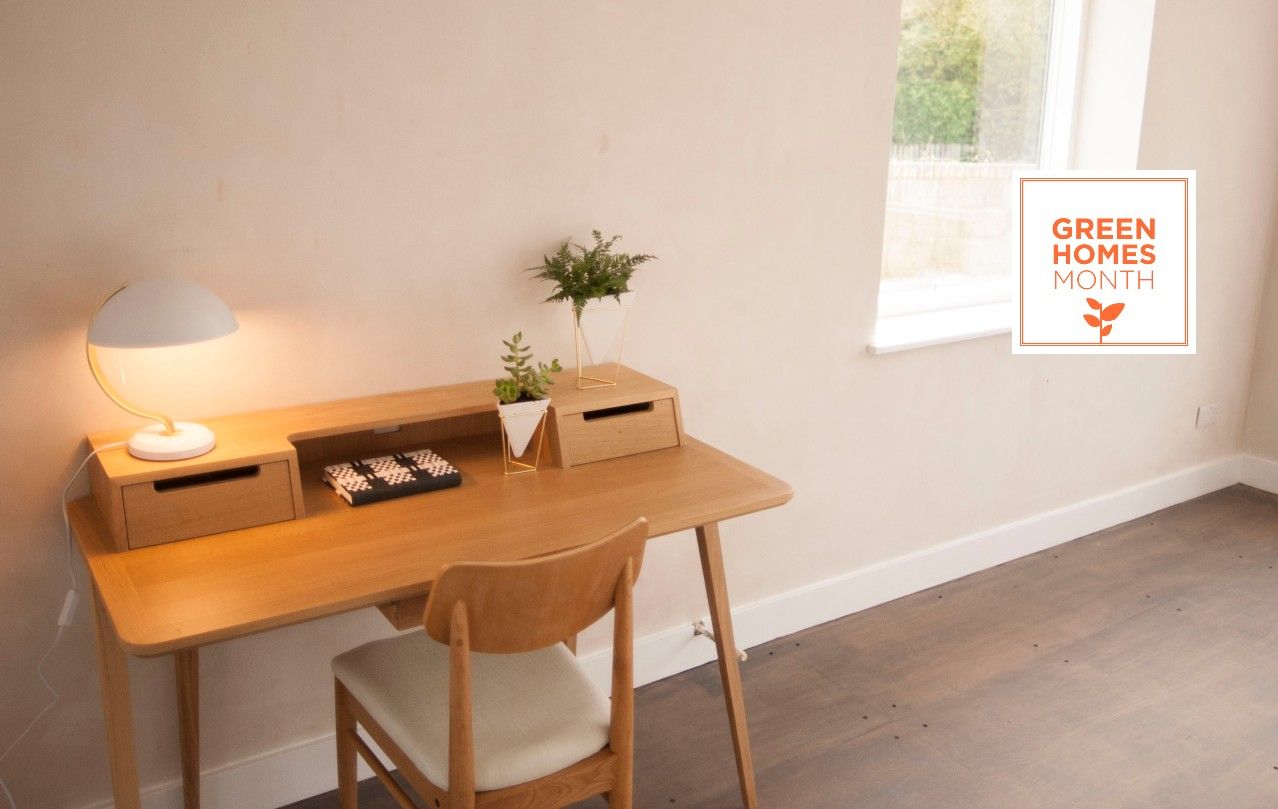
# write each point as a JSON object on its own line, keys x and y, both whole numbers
{"x": 151, "y": 314}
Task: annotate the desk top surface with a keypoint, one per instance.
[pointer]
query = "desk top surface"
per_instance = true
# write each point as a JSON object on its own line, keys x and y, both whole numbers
{"x": 339, "y": 558}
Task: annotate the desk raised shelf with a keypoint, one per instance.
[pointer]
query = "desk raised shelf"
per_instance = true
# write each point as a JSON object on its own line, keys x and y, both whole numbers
{"x": 255, "y": 474}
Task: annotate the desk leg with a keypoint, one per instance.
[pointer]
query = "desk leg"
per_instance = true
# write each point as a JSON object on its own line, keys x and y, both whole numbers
{"x": 721, "y": 618}
{"x": 187, "y": 667}
{"x": 117, "y": 710}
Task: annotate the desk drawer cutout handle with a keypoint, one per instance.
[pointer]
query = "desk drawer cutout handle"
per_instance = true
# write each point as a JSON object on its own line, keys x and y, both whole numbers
{"x": 609, "y": 412}
{"x": 205, "y": 478}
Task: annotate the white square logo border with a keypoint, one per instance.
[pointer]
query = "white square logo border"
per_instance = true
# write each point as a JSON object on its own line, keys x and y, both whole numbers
{"x": 1093, "y": 247}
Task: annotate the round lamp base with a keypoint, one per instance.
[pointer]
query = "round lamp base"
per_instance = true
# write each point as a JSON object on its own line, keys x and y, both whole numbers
{"x": 190, "y": 440}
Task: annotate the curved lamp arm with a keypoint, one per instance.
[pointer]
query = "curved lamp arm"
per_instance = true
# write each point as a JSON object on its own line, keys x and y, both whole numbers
{"x": 91, "y": 354}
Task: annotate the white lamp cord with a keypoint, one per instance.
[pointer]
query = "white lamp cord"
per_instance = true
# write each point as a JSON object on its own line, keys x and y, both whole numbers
{"x": 68, "y": 611}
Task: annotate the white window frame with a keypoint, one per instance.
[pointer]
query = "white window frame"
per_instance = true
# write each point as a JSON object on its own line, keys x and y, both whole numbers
{"x": 1060, "y": 92}
{"x": 903, "y": 312}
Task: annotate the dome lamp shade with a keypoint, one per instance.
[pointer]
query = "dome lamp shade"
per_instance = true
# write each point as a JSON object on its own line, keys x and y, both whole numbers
{"x": 151, "y": 314}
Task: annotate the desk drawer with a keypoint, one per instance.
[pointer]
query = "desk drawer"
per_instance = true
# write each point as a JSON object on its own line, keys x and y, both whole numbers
{"x": 616, "y": 431}
{"x": 194, "y": 506}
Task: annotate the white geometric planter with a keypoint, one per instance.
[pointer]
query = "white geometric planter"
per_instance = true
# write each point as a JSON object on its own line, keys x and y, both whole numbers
{"x": 600, "y": 334}
{"x": 519, "y": 422}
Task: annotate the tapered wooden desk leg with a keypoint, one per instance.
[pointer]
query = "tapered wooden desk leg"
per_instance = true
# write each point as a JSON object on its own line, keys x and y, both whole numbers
{"x": 187, "y": 665}
{"x": 721, "y": 618}
{"x": 117, "y": 710}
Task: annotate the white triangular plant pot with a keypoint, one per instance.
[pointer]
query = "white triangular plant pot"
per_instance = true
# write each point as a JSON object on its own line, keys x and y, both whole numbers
{"x": 603, "y": 326}
{"x": 520, "y": 421}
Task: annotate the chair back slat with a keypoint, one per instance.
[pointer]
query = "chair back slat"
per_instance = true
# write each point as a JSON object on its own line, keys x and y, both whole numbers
{"x": 521, "y": 606}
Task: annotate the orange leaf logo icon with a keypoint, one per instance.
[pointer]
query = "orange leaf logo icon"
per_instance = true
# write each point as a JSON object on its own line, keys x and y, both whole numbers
{"x": 1107, "y": 313}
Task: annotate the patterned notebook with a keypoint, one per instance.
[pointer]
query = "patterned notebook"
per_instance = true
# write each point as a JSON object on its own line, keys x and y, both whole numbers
{"x": 374, "y": 479}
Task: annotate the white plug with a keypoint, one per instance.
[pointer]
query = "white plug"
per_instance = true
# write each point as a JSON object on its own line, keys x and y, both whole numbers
{"x": 68, "y": 607}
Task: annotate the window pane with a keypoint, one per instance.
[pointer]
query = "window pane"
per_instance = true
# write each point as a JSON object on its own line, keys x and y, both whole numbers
{"x": 969, "y": 110}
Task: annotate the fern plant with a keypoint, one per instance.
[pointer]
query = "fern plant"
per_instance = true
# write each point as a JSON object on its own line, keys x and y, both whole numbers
{"x": 525, "y": 382}
{"x": 581, "y": 273}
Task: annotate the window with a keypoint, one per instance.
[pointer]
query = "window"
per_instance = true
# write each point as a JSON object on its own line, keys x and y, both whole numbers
{"x": 984, "y": 88}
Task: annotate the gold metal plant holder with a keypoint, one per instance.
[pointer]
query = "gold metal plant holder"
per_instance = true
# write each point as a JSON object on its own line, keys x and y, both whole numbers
{"x": 584, "y": 380}
{"x": 512, "y": 465}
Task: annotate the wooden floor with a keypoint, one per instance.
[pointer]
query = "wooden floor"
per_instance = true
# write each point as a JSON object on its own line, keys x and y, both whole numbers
{"x": 1137, "y": 667}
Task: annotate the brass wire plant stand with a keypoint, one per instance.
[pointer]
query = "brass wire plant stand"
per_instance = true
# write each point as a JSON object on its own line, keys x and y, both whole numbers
{"x": 511, "y": 463}
{"x": 584, "y": 380}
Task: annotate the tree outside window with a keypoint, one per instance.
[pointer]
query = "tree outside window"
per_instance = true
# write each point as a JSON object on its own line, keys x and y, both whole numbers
{"x": 969, "y": 112}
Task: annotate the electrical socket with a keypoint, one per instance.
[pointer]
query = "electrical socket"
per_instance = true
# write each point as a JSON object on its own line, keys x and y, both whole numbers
{"x": 1208, "y": 415}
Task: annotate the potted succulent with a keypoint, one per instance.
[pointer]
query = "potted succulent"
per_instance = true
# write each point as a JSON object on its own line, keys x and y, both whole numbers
{"x": 522, "y": 397}
{"x": 597, "y": 283}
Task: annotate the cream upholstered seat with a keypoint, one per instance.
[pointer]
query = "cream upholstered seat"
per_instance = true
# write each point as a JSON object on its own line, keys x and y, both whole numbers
{"x": 534, "y": 713}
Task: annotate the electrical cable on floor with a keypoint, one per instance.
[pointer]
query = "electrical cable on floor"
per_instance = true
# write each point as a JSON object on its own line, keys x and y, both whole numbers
{"x": 64, "y": 618}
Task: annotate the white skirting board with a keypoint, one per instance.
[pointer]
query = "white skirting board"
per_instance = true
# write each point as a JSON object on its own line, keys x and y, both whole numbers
{"x": 278, "y": 777}
{"x": 1260, "y": 473}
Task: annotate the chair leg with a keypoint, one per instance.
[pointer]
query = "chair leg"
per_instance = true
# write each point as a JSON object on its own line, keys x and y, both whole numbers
{"x": 621, "y": 796}
{"x": 347, "y": 761}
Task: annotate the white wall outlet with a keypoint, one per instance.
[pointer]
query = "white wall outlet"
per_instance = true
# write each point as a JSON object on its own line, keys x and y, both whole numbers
{"x": 1208, "y": 415}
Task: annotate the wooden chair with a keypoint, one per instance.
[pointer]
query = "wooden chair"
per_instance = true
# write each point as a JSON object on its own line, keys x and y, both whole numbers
{"x": 520, "y": 724}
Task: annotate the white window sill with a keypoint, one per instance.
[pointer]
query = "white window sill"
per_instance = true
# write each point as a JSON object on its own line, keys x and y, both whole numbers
{"x": 904, "y": 332}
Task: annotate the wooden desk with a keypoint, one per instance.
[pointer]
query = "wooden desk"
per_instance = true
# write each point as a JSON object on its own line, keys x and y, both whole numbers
{"x": 175, "y": 597}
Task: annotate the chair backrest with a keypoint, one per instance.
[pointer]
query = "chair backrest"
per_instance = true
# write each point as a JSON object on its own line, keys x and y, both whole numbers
{"x": 521, "y": 606}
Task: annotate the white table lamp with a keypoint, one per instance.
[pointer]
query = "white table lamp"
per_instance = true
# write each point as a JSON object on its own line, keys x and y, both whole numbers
{"x": 151, "y": 314}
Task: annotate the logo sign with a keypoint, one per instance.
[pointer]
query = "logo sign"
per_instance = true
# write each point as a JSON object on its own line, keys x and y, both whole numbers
{"x": 1106, "y": 263}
